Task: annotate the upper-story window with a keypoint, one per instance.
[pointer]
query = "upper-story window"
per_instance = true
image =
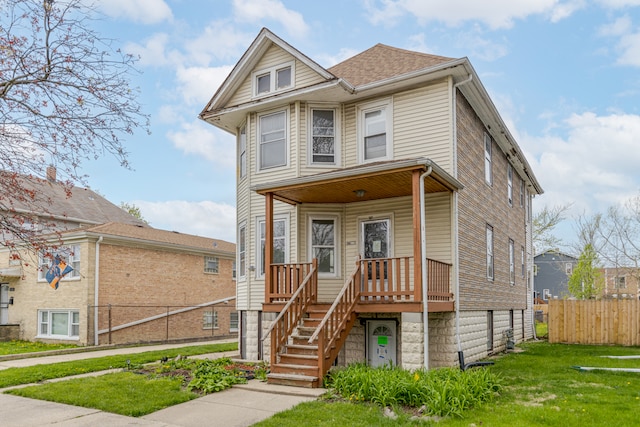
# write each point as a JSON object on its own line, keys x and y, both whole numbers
{"x": 242, "y": 151}
{"x": 521, "y": 192}
{"x": 510, "y": 184}
{"x": 487, "y": 159}
{"x": 272, "y": 140}
{"x": 67, "y": 255}
{"x": 211, "y": 264}
{"x": 512, "y": 262}
{"x": 273, "y": 79}
{"x": 489, "y": 252}
{"x": 324, "y": 139}
{"x": 375, "y": 139}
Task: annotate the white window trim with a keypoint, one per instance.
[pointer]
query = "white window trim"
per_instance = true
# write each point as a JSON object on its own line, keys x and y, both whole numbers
{"x": 387, "y": 106}
{"x": 241, "y": 274}
{"x": 512, "y": 262}
{"x": 243, "y": 173}
{"x": 338, "y": 259}
{"x": 69, "y": 312}
{"x": 231, "y": 322}
{"x": 490, "y": 252}
{"x": 272, "y": 72}
{"x": 73, "y": 275}
{"x": 214, "y": 320}
{"x": 546, "y": 295}
{"x": 382, "y": 217}
{"x": 510, "y": 184}
{"x": 287, "y": 240}
{"x": 488, "y": 160}
{"x": 337, "y": 132}
{"x": 287, "y": 125}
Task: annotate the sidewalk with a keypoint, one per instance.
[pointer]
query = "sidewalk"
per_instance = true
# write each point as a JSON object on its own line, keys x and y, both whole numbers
{"x": 242, "y": 405}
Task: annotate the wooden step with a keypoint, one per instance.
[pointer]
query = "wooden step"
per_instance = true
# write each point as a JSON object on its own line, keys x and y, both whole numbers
{"x": 307, "y": 381}
{"x": 302, "y": 340}
{"x": 311, "y": 322}
{"x": 284, "y": 368}
{"x": 305, "y": 331}
{"x": 299, "y": 359}
{"x": 308, "y": 349}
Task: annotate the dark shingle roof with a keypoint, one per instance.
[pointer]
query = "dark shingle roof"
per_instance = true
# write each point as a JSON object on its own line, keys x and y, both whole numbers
{"x": 382, "y": 62}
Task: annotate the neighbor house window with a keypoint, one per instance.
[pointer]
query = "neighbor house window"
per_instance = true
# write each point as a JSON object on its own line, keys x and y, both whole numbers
{"x": 272, "y": 140}
{"x": 568, "y": 268}
{"x": 375, "y": 141}
{"x": 70, "y": 255}
{"x": 242, "y": 250}
{"x": 546, "y": 295}
{"x": 487, "y": 159}
{"x": 489, "y": 252}
{"x": 273, "y": 79}
{"x": 58, "y": 324}
{"x": 242, "y": 151}
{"x": 233, "y": 270}
{"x": 279, "y": 243}
{"x": 211, "y": 264}
{"x": 620, "y": 282}
{"x": 323, "y": 244}
{"x": 233, "y": 321}
{"x": 510, "y": 184}
{"x": 512, "y": 263}
{"x": 323, "y": 136}
{"x": 522, "y": 258}
{"x": 210, "y": 320}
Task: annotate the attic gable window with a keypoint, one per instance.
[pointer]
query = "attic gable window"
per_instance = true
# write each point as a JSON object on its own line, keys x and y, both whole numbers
{"x": 273, "y": 79}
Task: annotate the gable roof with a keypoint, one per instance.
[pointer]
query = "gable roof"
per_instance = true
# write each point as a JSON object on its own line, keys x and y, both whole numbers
{"x": 382, "y": 62}
{"x": 74, "y": 204}
{"x": 153, "y": 236}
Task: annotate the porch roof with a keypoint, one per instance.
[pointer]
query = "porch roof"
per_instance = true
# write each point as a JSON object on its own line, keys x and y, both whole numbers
{"x": 379, "y": 180}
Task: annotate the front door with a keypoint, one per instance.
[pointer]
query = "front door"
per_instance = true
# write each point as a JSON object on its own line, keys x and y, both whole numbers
{"x": 375, "y": 238}
{"x": 4, "y": 304}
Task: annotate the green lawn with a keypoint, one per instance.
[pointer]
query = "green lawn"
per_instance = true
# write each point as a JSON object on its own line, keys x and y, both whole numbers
{"x": 20, "y": 347}
{"x": 540, "y": 388}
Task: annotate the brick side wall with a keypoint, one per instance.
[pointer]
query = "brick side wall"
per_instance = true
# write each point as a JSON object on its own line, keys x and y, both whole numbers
{"x": 478, "y": 205}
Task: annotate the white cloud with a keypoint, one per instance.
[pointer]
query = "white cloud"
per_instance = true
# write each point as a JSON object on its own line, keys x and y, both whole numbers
{"x": 328, "y": 61}
{"x": 254, "y": 11}
{"x": 618, "y": 27}
{"x": 494, "y": 13}
{"x": 154, "y": 51}
{"x": 219, "y": 40}
{"x": 207, "y": 219}
{"x": 142, "y": 11}
{"x": 198, "y": 84}
{"x": 201, "y": 139}
{"x": 629, "y": 47}
{"x": 594, "y": 165}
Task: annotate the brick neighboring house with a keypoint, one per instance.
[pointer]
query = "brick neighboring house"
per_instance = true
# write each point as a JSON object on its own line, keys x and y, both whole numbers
{"x": 621, "y": 283}
{"x": 149, "y": 284}
{"x": 339, "y": 171}
{"x": 552, "y": 270}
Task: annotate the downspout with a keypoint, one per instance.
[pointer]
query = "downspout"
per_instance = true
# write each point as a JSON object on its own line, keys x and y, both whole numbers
{"x": 96, "y": 288}
{"x": 456, "y": 253}
{"x": 423, "y": 255}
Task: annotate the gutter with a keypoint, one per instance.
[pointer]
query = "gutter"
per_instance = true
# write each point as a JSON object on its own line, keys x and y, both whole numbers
{"x": 96, "y": 288}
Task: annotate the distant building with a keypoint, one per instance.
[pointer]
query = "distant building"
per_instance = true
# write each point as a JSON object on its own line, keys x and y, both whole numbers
{"x": 621, "y": 282}
{"x": 551, "y": 272}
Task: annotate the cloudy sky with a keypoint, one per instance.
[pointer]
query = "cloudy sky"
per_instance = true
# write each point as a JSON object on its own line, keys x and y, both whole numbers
{"x": 565, "y": 76}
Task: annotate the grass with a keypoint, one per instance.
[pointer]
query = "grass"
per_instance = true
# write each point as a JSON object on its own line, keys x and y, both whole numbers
{"x": 542, "y": 329}
{"x": 539, "y": 388}
{"x": 20, "y": 347}
{"x": 33, "y": 374}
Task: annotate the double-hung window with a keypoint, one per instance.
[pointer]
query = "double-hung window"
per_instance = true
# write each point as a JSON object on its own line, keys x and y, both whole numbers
{"x": 375, "y": 140}
{"x": 522, "y": 260}
{"x": 272, "y": 140}
{"x": 211, "y": 264}
{"x": 510, "y": 184}
{"x": 489, "y": 252}
{"x": 70, "y": 255}
{"x": 512, "y": 263}
{"x": 323, "y": 138}
{"x": 242, "y": 250}
{"x": 60, "y": 324}
{"x": 280, "y": 246}
{"x": 487, "y": 159}
{"x": 242, "y": 151}
{"x": 210, "y": 320}
{"x": 273, "y": 79}
{"x": 324, "y": 244}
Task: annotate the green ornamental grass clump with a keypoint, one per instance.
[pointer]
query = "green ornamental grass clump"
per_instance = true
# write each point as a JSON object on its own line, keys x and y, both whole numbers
{"x": 442, "y": 392}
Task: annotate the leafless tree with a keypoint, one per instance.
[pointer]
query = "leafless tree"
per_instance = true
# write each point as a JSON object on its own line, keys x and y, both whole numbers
{"x": 544, "y": 223}
{"x": 65, "y": 98}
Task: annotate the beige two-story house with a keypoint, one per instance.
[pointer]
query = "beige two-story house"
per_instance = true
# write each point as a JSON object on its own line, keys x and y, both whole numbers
{"x": 384, "y": 211}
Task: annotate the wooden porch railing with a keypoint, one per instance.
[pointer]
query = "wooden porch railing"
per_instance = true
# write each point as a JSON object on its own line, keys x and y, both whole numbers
{"x": 439, "y": 281}
{"x": 289, "y": 317}
{"x": 286, "y": 279}
{"x": 339, "y": 318}
{"x": 387, "y": 279}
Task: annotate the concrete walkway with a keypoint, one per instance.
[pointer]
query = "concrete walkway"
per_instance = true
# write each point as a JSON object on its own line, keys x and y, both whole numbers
{"x": 242, "y": 405}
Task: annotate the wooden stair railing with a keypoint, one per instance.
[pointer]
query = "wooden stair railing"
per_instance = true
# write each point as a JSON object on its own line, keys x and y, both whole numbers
{"x": 336, "y": 324}
{"x": 290, "y": 315}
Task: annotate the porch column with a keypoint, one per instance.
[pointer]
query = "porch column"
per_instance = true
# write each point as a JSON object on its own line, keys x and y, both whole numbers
{"x": 268, "y": 245}
{"x": 417, "y": 242}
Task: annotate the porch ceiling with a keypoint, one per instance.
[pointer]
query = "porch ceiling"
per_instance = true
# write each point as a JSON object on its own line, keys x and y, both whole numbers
{"x": 378, "y": 180}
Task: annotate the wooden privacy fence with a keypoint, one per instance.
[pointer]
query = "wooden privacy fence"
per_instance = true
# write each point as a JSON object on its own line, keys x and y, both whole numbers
{"x": 594, "y": 322}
